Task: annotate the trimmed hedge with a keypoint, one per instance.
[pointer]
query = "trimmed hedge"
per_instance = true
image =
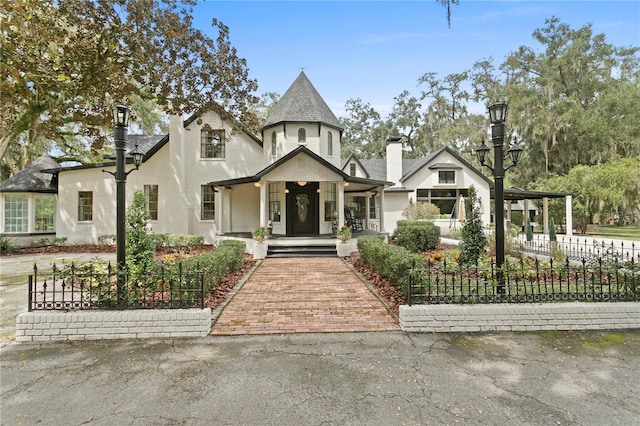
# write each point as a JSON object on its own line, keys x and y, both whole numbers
{"x": 216, "y": 264}
{"x": 416, "y": 235}
{"x": 178, "y": 242}
{"x": 391, "y": 262}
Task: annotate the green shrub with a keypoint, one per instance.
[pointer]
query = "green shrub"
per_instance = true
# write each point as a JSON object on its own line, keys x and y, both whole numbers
{"x": 421, "y": 210}
{"x": 416, "y": 235}
{"x": 216, "y": 264}
{"x": 391, "y": 262}
{"x": 474, "y": 241}
{"x": 552, "y": 230}
{"x": 7, "y": 246}
{"x": 516, "y": 218}
{"x": 529, "y": 230}
{"x": 140, "y": 249}
{"x": 177, "y": 243}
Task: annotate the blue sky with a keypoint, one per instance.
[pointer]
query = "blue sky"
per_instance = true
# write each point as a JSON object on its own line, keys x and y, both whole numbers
{"x": 374, "y": 50}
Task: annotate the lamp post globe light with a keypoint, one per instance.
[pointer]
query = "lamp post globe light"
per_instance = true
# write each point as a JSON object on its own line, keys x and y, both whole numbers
{"x": 121, "y": 116}
{"x": 498, "y": 116}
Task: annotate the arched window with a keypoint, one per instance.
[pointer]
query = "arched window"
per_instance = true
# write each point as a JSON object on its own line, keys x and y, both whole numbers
{"x": 274, "y": 144}
{"x": 330, "y": 144}
{"x": 302, "y": 135}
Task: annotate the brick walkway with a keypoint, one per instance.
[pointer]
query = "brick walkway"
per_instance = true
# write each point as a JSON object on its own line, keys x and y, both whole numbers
{"x": 303, "y": 295}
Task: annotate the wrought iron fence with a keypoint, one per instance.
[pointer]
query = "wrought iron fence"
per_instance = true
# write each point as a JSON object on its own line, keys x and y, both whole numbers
{"x": 576, "y": 248}
{"x": 526, "y": 281}
{"x": 97, "y": 287}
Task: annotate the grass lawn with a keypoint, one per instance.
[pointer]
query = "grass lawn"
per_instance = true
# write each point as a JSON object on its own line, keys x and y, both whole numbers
{"x": 612, "y": 231}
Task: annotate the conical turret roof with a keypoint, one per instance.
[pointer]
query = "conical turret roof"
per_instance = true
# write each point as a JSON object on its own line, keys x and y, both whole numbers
{"x": 302, "y": 103}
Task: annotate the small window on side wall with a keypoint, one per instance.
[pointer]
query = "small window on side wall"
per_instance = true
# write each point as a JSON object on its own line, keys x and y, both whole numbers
{"x": 85, "y": 206}
{"x": 446, "y": 176}
{"x": 212, "y": 143}
{"x": 208, "y": 204}
{"x": 352, "y": 169}
{"x": 302, "y": 135}
{"x": 274, "y": 143}
{"x": 151, "y": 196}
{"x": 330, "y": 144}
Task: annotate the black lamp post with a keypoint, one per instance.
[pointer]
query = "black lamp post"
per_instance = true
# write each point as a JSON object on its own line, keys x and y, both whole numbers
{"x": 120, "y": 125}
{"x": 497, "y": 116}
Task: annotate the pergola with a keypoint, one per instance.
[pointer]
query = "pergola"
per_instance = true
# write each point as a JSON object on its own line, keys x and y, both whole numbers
{"x": 518, "y": 194}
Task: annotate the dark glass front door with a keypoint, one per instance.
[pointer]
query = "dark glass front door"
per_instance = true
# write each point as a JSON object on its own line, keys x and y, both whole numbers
{"x": 302, "y": 208}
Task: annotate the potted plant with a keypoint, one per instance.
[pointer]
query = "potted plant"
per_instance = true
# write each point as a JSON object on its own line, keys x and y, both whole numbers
{"x": 260, "y": 234}
{"x": 344, "y": 233}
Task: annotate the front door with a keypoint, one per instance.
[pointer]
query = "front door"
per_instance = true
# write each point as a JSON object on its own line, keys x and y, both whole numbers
{"x": 302, "y": 208}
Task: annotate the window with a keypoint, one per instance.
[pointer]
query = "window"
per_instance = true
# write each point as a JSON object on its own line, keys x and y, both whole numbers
{"x": 208, "y": 207}
{"x": 352, "y": 169}
{"x": 274, "y": 202}
{"x": 16, "y": 213}
{"x": 330, "y": 209}
{"x": 151, "y": 195}
{"x": 274, "y": 143}
{"x": 85, "y": 206}
{"x": 302, "y": 135}
{"x": 445, "y": 199}
{"x": 45, "y": 214}
{"x": 330, "y": 144}
{"x": 212, "y": 143}
{"x": 373, "y": 207}
{"x": 446, "y": 176}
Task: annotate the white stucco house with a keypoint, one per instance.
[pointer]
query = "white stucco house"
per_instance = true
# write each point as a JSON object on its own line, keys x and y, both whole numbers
{"x": 206, "y": 177}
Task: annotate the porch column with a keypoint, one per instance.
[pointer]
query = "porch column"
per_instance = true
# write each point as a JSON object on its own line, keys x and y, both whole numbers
{"x": 263, "y": 204}
{"x": 545, "y": 215}
{"x": 568, "y": 214}
{"x": 367, "y": 207}
{"x": 508, "y": 210}
{"x": 525, "y": 213}
{"x": 340, "y": 186}
{"x": 381, "y": 192}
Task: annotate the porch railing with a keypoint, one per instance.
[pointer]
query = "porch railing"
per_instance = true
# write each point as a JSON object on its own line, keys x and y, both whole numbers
{"x": 81, "y": 288}
{"x": 526, "y": 282}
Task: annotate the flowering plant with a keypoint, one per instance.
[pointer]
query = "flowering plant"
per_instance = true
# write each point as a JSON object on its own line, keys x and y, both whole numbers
{"x": 344, "y": 233}
{"x": 260, "y": 234}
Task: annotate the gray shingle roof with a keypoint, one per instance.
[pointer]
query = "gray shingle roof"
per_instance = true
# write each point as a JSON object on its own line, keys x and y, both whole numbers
{"x": 302, "y": 103}
{"x": 32, "y": 179}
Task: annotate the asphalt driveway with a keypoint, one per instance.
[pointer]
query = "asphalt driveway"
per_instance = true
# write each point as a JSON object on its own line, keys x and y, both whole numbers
{"x": 389, "y": 378}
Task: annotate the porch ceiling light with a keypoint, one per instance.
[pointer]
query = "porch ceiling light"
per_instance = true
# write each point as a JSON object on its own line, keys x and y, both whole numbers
{"x": 346, "y": 184}
{"x": 256, "y": 184}
{"x": 302, "y": 182}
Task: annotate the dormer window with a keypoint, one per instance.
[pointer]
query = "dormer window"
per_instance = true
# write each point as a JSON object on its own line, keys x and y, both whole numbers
{"x": 274, "y": 143}
{"x": 446, "y": 176}
{"x": 352, "y": 169}
{"x": 330, "y": 144}
{"x": 212, "y": 143}
{"x": 302, "y": 135}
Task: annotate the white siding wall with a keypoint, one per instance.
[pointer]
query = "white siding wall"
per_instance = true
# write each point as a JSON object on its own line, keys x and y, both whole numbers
{"x": 289, "y": 141}
{"x": 179, "y": 173}
{"x": 394, "y": 205}
{"x": 426, "y": 178}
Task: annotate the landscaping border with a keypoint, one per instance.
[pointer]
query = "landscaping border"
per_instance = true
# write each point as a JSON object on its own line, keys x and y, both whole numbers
{"x": 46, "y": 326}
{"x": 520, "y": 317}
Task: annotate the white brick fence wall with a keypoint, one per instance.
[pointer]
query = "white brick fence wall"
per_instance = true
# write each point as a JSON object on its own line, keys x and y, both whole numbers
{"x": 520, "y": 317}
{"x": 43, "y": 326}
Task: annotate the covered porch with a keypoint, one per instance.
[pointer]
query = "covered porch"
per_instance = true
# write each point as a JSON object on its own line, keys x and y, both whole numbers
{"x": 300, "y": 195}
